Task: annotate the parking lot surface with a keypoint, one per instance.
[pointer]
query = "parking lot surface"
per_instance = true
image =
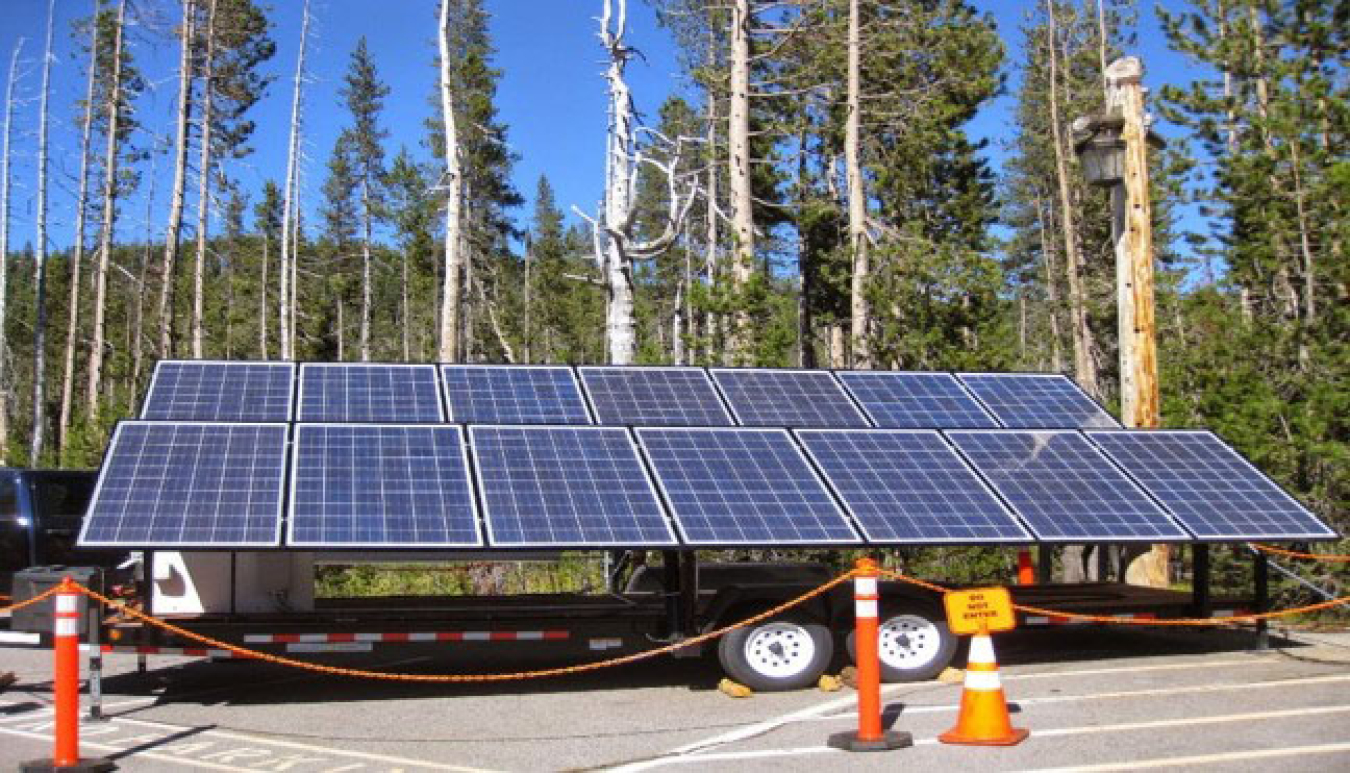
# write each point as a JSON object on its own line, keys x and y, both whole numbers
{"x": 1093, "y": 698}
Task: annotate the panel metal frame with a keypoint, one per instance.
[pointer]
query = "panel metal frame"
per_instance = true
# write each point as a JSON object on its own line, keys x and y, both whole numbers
{"x": 444, "y": 367}
{"x": 281, "y": 489}
{"x": 299, "y": 398}
{"x": 843, "y": 392}
{"x": 717, "y": 394}
{"x": 291, "y": 404}
{"x": 1330, "y": 534}
{"x": 294, "y": 457}
{"x": 960, "y": 377}
{"x": 952, "y": 377}
{"x": 638, "y": 458}
{"x": 1186, "y": 535}
{"x": 984, "y": 485}
{"x": 830, "y": 495}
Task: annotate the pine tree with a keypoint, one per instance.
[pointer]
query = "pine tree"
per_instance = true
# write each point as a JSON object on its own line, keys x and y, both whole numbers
{"x": 363, "y": 95}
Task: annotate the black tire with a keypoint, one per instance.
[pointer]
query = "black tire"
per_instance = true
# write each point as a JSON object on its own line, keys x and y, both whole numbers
{"x": 786, "y": 653}
{"x": 915, "y": 645}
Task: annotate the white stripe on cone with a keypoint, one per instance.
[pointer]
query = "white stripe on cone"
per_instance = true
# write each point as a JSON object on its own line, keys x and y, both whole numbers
{"x": 981, "y": 650}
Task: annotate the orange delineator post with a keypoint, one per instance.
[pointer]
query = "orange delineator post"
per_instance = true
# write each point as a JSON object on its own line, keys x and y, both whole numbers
{"x": 871, "y": 736}
{"x": 66, "y": 687}
{"x": 984, "y": 719}
{"x": 1026, "y": 573}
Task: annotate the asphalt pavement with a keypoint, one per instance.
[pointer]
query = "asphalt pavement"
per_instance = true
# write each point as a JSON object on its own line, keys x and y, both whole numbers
{"x": 1093, "y": 698}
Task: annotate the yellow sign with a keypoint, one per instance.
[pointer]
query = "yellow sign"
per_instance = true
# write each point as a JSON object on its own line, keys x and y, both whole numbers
{"x": 969, "y": 611}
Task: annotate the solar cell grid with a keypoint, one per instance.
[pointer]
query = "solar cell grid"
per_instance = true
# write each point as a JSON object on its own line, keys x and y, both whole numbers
{"x": 915, "y": 400}
{"x": 189, "y": 485}
{"x": 1037, "y": 401}
{"x": 909, "y": 486}
{"x": 654, "y": 396}
{"x": 381, "y": 485}
{"x": 204, "y": 390}
{"x": 343, "y": 392}
{"x": 514, "y": 395}
{"x": 566, "y": 486}
{"x": 1209, "y": 487}
{"x": 787, "y": 398}
{"x": 1064, "y": 488}
{"x": 743, "y": 487}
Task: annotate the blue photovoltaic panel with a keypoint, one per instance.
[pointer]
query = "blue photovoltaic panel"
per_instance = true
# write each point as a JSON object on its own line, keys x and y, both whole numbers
{"x": 203, "y": 390}
{"x": 654, "y": 396}
{"x": 1037, "y": 401}
{"x": 375, "y": 393}
{"x": 915, "y": 400}
{"x": 189, "y": 485}
{"x": 381, "y": 485}
{"x": 743, "y": 487}
{"x": 1209, "y": 487}
{"x": 910, "y": 486}
{"x": 566, "y": 487}
{"x": 787, "y": 398}
{"x": 514, "y": 395}
{"x": 1064, "y": 488}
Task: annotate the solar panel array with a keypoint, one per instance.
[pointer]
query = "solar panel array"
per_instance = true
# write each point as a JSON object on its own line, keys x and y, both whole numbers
{"x": 1209, "y": 487}
{"x": 397, "y": 456}
{"x": 909, "y": 486}
{"x": 654, "y": 396}
{"x": 1037, "y": 401}
{"x": 381, "y": 485}
{"x": 740, "y": 486}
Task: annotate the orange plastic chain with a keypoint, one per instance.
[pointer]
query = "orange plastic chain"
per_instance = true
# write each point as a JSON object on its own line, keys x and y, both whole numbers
{"x": 1176, "y": 621}
{"x": 441, "y": 678}
{"x": 1295, "y": 554}
{"x": 29, "y": 602}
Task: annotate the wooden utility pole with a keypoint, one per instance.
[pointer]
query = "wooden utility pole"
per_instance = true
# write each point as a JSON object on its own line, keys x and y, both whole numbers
{"x": 1132, "y": 230}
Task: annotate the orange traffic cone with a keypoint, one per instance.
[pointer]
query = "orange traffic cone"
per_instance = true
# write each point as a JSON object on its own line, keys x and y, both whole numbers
{"x": 984, "y": 717}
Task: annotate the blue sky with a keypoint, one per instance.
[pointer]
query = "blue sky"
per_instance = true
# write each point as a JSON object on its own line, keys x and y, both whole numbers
{"x": 551, "y": 95}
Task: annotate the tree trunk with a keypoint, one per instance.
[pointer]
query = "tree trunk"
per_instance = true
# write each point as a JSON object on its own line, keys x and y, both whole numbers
{"x": 169, "y": 266}
{"x": 105, "y": 238}
{"x": 1085, "y": 368}
{"x": 4, "y": 249}
{"x": 1051, "y": 289}
{"x": 137, "y": 347}
{"x": 365, "y": 270}
{"x": 621, "y": 326}
{"x": 451, "y": 292}
{"x": 204, "y": 187}
{"x": 529, "y": 300}
{"x": 738, "y": 143}
{"x": 77, "y": 252}
{"x": 262, "y": 295}
{"x": 286, "y": 294}
{"x": 712, "y": 322}
{"x": 857, "y": 198}
{"x": 40, "y": 259}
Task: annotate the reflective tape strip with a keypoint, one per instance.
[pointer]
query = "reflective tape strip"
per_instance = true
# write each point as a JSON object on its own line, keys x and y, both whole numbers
{"x": 865, "y": 586}
{"x": 402, "y": 636}
{"x": 67, "y": 626}
{"x": 981, "y": 650}
{"x": 1038, "y": 621}
{"x": 68, "y": 603}
{"x": 195, "y": 652}
{"x": 983, "y": 680}
{"x": 865, "y": 608}
{"x": 476, "y": 636}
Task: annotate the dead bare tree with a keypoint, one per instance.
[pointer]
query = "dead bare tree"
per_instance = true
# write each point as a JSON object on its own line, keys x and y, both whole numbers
{"x": 40, "y": 257}
{"x": 451, "y": 349}
{"x": 4, "y": 246}
{"x": 175, "y": 228}
{"x": 286, "y": 296}
{"x": 203, "y": 183}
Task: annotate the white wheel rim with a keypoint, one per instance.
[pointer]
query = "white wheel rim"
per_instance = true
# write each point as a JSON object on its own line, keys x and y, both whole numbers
{"x": 780, "y": 649}
{"x": 909, "y": 641}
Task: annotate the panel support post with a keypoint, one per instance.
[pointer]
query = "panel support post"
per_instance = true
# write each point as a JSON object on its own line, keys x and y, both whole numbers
{"x": 1200, "y": 579}
{"x": 1261, "y": 579}
{"x": 688, "y": 591}
{"x": 670, "y": 582}
{"x": 1045, "y": 564}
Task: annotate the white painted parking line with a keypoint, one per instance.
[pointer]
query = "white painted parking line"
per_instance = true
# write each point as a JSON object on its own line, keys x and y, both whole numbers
{"x": 1209, "y": 759}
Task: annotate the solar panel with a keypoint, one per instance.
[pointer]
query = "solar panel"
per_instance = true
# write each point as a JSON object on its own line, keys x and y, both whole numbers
{"x": 654, "y": 396}
{"x": 1209, "y": 487}
{"x": 566, "y": 487}
{"x": 787, "y": 398}
{"x": 1064, "y": 488}
{"x": 910, "y": 486}
{"x": 487, "y": 394}
{"x": 376, "y": 393}
{"x": 206, "y": 390}
{"x": 743, "y": 487}
{"x": 189, "y": 485}
{"x": 381, "y": 485}
{"x": 1037, "y": 401}
{"x": 915, "y": 400}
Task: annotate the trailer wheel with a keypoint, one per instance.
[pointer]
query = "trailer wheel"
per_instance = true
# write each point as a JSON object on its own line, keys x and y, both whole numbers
{"x": 783, "y": 654}
{"x": 915, "y": 645}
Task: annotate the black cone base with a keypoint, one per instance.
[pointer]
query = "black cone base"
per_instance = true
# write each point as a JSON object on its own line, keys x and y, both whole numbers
{"x": 85, "y": 765}
{"x": 890, "y": 739}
